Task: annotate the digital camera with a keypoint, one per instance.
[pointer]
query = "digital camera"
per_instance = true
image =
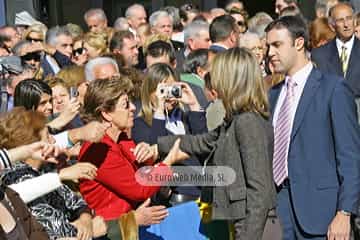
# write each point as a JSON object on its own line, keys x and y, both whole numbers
{"x": 173, "y": 91}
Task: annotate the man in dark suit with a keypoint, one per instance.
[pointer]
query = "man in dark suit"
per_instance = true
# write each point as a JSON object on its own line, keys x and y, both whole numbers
{"x": 224, "y": 33}
{"x": 317, "y": 140}
{"x": 196, "y": 36}
{"x": 58, "y": 52}
{"x": 340, "y": 56}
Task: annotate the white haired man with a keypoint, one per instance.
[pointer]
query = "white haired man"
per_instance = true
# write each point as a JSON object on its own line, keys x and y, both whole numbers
{"x": 96, "y": 20}
{"x": 161, "y": 22}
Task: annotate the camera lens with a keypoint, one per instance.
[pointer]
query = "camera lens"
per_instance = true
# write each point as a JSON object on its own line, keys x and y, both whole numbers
{"x": 176, "y": 91}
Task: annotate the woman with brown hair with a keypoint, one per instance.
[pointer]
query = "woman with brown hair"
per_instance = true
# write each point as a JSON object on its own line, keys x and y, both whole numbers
{"x": 244, "y": 143}
{"x": 320, "y": 32}
{"x": 115, "y": 191}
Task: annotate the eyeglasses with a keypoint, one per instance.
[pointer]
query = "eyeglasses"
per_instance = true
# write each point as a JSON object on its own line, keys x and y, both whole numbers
{"x": 257, "y": 48}
{"x": 79, "y": 51}
{"x": 33, "y": 39}
{"x": 36, "y": 56}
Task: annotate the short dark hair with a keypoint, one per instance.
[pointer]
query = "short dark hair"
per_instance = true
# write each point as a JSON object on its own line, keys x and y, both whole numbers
{"x": 117, "y": 40}
{"x": 221, "y": 28}
{"x": 195, "y": 59}
{"x": 160, "y": 48}
{"x": 295, "y": 25}
{"x": 28, "y": 93}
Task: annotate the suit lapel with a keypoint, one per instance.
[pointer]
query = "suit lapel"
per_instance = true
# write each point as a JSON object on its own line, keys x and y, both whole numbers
{"x": 334, "y": 58}
{"x": 354, "y": 56}
{"x": 311, "y": 86}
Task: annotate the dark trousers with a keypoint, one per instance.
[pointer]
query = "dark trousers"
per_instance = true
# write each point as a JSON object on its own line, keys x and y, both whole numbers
{"x": 285, "y": 212}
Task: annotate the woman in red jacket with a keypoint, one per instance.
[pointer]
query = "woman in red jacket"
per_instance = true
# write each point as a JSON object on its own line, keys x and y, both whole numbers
{"x": 115, "y": 190}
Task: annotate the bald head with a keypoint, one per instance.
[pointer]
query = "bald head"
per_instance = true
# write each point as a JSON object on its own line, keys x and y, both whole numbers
{"x": 342, "y": 20}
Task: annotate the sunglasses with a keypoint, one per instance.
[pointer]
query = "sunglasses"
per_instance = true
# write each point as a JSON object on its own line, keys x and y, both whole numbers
{"x": 32, "y": 56}
{"x": 241, "y": 24}
{"x": 33, "y": 39}
{"x": 78, "y": 51}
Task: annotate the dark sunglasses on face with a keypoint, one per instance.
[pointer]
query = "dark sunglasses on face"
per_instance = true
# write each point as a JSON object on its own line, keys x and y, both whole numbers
{"x": 33, "y": 39}
{"x": 32, "y": 56}
{"x": 78, "y": 51}
{"x": 241, "y": 23}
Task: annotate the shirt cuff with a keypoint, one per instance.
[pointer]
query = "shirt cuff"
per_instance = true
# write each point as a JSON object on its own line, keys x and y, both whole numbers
{"x": 34, "y": 188}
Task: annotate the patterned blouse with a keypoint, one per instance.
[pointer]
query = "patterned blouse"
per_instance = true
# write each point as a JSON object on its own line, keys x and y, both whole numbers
{"x": 54, "y": 210}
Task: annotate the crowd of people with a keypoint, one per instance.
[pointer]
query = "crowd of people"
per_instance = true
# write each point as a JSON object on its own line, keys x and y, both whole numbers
{"x": 277, "y": 100}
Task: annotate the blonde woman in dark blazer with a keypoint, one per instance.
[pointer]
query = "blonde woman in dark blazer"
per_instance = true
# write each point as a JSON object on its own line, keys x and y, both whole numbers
{"x": 244, "y": 143}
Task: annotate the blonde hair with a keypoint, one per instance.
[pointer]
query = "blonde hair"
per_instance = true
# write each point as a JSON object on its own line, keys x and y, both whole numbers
{"x": 153, "y": 38}
{"x": 156, "y": 74}
{"x": 237, "y": 78}
{"x": 98, "y": 41}
{"x": 72, "y": 75}
{"x": 36, "y": 28}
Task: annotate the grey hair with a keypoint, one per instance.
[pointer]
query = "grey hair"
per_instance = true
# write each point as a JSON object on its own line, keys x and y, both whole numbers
{"x": 259, "y": 30}
{"x": 193, "y": 30}
{"x": 175, "y": 14}
{"x": 243, "y": 42}
{"x": 156, "y": 15}
{"x": 95, "y": 62}
{"x": 95, "y": 12}
{"x": 53, "y": 33}
{"x": 130, "y": 10}
{"x": 16, "y": 49}
{"x": 324, "y": 6}
{"x": 121, "y": 24}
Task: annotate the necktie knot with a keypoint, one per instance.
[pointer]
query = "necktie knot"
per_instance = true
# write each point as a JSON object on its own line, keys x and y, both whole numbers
{"x": 290, "y": 83}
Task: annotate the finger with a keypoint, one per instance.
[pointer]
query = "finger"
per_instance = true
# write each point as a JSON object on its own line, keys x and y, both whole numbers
{"x": 140, "y": 152}
{"x": 52, "y": 160}
{"x": 159, "y": 214}
{"x": 58, "y": 151}
{"x": 146, "y": 203}
{"x": 80, "y": 234}
{"x": 160, "y": 217}
{"x": 142, "y": 157}
{"x": 155, "y": 222}
{"x": 48, "y": 151}
{"x": 157, "y": 208}
{"x": 87, "y": 235}
{"x": 138, "y": 147}
{"x": 331, "y": 236}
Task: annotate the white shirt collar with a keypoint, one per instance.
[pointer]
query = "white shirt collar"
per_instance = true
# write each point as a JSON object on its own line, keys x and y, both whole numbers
{"x": 349, "y": 44}
{"x": 302, "y": 75}
{"x": 220, "y": 45}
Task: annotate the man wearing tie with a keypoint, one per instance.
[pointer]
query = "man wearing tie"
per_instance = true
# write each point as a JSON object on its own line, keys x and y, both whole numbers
{"x": 341, "y": 55}
{"x": 316, "y": 162}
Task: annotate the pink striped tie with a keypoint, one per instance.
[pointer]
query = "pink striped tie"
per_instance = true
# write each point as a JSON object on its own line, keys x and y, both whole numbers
{"x": 282, "y": 132}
